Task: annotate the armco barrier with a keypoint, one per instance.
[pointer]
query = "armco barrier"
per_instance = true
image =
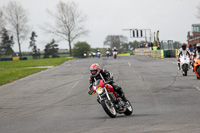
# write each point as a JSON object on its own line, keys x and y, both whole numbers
{"x": 5, "y": 59}
{"x": 13, "y": 59}
{"x": 23, "y": 58}
{"x": 157, "y": 54}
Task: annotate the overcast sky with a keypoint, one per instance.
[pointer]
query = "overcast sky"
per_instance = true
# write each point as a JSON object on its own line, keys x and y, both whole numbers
{"x": 173, "y": 18}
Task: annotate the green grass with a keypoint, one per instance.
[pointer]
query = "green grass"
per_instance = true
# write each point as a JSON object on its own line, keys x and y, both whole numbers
{"x": 34, "y": 63}
{"x": 9, "y": 75}
{"x": 30, "y": 57}
{"x": 13, "y": 70}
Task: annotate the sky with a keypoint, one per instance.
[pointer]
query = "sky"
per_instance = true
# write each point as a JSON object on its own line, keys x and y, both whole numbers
{"x": 173, "y": 19}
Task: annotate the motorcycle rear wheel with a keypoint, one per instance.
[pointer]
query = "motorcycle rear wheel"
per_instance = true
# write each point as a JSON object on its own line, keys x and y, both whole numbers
{"x": 129, "y": 109}
{"x": 109, "y": 109}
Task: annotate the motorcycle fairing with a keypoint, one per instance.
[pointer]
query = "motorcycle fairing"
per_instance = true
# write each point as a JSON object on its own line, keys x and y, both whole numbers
{"x": 196, "y": 65}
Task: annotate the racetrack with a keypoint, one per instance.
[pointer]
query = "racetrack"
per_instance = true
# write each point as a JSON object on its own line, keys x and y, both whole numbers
{"x": 56, "y": 100}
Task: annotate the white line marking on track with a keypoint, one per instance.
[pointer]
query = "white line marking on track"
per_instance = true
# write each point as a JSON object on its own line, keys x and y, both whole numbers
{"x": 129, "y": 63}
{"x": 198, "y": 88}
{"x": 73, "y": 87}
{"x": 75, "y": 84}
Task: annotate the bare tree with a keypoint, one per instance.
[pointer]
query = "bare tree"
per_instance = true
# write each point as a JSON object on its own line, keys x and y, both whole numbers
{"x": 115, "y": 41}
{"x": 18, "y": 21}
{"x": 2, "y": 21}
{"x": 68, "y": 23}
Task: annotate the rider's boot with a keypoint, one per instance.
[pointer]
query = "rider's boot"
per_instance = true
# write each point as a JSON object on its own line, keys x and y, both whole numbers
{"x": 121, "y": 94}
{"x": 124, "y": 98}
{"x": 179, "y": 68}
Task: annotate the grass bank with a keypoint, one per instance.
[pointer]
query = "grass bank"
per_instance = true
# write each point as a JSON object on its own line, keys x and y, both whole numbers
{"x": 13, "y": 70}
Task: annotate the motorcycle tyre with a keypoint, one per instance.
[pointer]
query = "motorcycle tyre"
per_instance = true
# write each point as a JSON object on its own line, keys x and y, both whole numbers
{"x": 185, "y": 73}
{"x": 107, "y": 110}
{"x": 129, "y": 112}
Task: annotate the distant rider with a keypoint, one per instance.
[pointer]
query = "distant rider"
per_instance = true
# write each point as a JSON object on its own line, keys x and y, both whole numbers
{"x": 115, "y": 49}
{"x": 182, "y": 51}
{"x": 97, "y": 73}
{"x": 107, "y": 53}
{"x": 196, "y": 53}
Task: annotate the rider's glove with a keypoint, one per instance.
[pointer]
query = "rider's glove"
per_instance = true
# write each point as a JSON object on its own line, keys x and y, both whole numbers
{"x": 90, "y": 92}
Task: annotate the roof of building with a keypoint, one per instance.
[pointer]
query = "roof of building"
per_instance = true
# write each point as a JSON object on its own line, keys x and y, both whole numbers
{"x": 195, "y": 24}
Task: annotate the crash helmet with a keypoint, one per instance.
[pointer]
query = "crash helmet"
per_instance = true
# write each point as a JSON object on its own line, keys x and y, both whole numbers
{"x": 198, "y": 47}
{"x": 183, "y": 46}
{"x": 95, "y": 69}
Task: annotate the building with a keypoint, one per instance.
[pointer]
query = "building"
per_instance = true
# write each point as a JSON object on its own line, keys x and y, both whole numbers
{"x": 195, "y": 37}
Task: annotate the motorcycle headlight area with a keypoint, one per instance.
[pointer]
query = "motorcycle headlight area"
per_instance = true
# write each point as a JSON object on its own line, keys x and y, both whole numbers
{"x": 99, "y": 90}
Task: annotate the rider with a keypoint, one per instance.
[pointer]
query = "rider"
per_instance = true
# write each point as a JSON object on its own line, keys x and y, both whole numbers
{"x": 98, "y": 73}
{"x": 114, "y": 49}
{"x": 196, "y": 52}
{"x": 182, "y": 50}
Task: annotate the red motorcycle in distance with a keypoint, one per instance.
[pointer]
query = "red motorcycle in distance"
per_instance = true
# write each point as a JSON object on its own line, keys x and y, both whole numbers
{"x": 111, "y": 103}
{"x": 114, "y": 54}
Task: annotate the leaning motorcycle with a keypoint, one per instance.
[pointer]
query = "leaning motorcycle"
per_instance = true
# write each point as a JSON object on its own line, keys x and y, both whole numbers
{"x": 110, "y": 101}
{"x": 197, "y": 66}
{"x": 114, "y": 54}
{"x": 184, "y": 63}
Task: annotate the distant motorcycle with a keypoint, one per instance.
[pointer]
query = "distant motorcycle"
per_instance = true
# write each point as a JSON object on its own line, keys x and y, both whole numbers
{"x": 84, "y": 55}
{"x": 98, "y": 54}
{"x": 184, "y": 63}
{"x": 111, "y": 103}
{"x": 114, "y": 54}
{"x": 107, "y": 54}
{"x": 197, "y": 66}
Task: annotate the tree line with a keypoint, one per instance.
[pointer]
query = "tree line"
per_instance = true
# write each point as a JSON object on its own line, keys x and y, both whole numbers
{"x": 68, "y": 25}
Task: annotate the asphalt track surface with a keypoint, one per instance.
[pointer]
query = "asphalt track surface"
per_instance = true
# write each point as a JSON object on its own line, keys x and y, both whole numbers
{"x": 56, "y": 100}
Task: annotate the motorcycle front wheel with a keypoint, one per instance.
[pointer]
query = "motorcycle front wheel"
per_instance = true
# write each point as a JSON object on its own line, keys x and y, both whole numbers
{"x": 109, "y": 108}
{"x": 185, "y": 73}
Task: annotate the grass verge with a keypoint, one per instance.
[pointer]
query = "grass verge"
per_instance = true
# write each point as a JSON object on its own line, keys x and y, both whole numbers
{"x": 9, "y": 75}
{"x": 34, "y": 63}
{"x": 14, "y": 70}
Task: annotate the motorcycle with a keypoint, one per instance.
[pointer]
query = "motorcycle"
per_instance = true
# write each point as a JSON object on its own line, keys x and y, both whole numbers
{"x": 184, "y": 63}
{"x": 98, "y": 54}
{"x": 197, "y": 66}
{"x": 107, "y": 54}
{"x": 110, "y": 101}
{"x": 84, "y": 55}
{"x": 114, "y": 54}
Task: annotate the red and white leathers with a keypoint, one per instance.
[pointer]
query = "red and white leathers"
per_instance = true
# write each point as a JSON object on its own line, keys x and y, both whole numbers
{"x": 182, "y": 52}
